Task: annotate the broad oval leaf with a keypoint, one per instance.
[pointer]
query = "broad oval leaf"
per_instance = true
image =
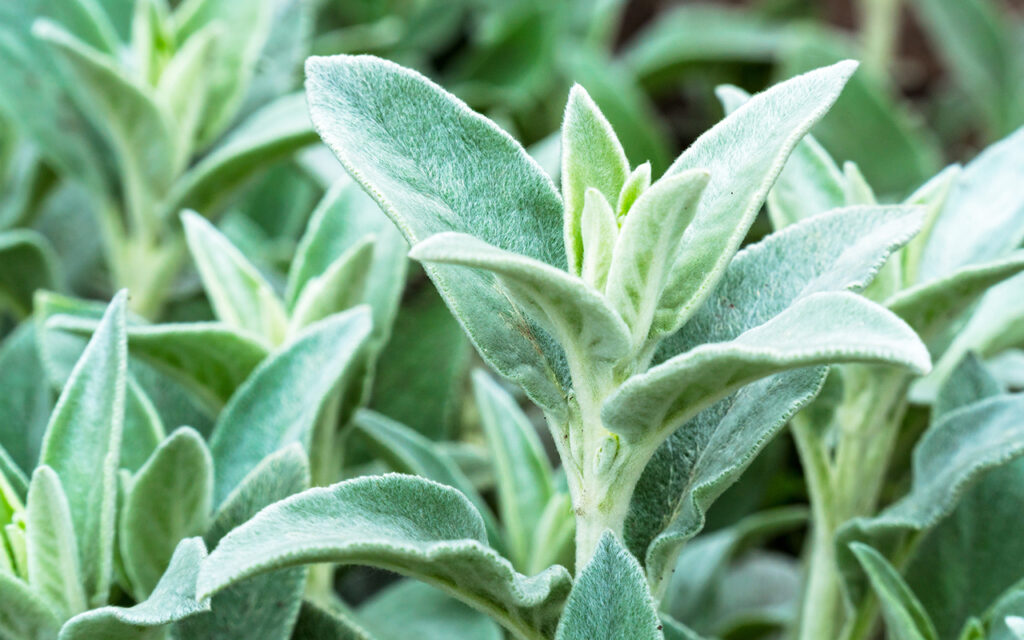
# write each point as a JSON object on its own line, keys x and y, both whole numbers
{"x": 281, "y": 400}
{"x": 433, "y": 165}
{"x": 610, "y": 598}
{"x": 174, "y": 598}
{"x": 83, "y": 442}
{"x": 169, "y": 500}
{"x": 563, "y": 304}
{"x": 744, "y": 153}
{"x": 402, "y": 523}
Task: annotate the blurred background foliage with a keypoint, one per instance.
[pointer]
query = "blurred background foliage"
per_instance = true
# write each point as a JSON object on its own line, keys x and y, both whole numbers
{"x": 115, "y": 114}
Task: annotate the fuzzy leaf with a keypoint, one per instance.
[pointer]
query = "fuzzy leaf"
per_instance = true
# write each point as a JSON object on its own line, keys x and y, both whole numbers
{"x": 240, "y": 296}
{"x": 646, "y": 248}
{"x": 174, "y": 598}
{"x": 281, "y": 400}
{"x": 946, "y": 460}
{"x": 610, "y": 598}
{"x": 525, "y": 480}
{"x": 744, "y": 154}
{"x": 25, "y": 403}
{"x": 591, "y": 158}
{"x": 818, "y": 329}
{"x": 405, "y": 524}
{"x": 568, "y": 308}
{"x": 433, "y": 165}
{"x": 970, "y": 382}
{"x": 315, "y": 623}
{"x": 169, "y": 500}
{"x": 636, "y": 184}
{"x": 263, "y": 608}
{"x": 905, "y": 618}
{"x": 83, "y": 441}
{"x": 406, "y": 451}
{"x": 54, "y": 568}
{"x": 23, "y": 614}
{"x": 599, "y": 229}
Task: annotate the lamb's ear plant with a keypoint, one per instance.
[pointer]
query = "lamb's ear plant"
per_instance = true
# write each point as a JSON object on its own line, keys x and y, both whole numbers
{"x": 188, "y": 103}
{"x": 663, "y": 359}
{"x": 931, "y": 283}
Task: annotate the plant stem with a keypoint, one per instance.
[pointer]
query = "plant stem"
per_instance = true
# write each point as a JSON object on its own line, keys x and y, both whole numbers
{"x": 879, "y": 22}
{"x": 846, "y": 486}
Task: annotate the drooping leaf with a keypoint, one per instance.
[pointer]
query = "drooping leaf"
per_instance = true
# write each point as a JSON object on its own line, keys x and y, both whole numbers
{"x": 239, "y": 294}
{"x": 525, "y": 480}
{"x": 406, "y": 524}
{"x": 169, "y": 500}
{"x": 818, "y": 329}
{"x": 83, "y": 441}
{"x": 569, "y": 309}
{"x": 174, "y": 598}
{"x": 436, "y": 616}
{"x": 280, "y": 402}
{"x": 54, "y": 567}
{"x": 905, "y": 618}
{"x": 610, "y": 598}
{"x": 262, "y": 608}
{"x": 591, "y": 158}
{"x": 947, "y": 459}
{"x": 448, "y": 170}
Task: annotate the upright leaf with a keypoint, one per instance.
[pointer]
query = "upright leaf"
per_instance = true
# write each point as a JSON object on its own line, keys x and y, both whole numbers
{"x": 338, "y": 288}
{"x": 743, "y": 165}
{"x": 433, "y": 165}
{"x": 240, "y": 296}
{"x": 610, "y": 598}
{"x": 405, "y": 524}
{"x": 591, "y": 158}
{"x": 53, "y": 560}
{"x": 23, "y": 614}
{"x": 280, "y": 402}
{"x": 905, "y": 618}
{"x": 83, "y": 442}
{"x": 169, "y": 500}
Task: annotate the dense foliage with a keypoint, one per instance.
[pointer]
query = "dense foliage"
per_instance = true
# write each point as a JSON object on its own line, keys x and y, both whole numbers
{"x": 764, "y": 390}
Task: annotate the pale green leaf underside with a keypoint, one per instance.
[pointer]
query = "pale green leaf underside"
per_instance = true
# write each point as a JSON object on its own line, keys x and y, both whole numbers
{"x": 947, "y": 459}
{"x": 433, "y": 165}
{"x": 173, "y": 598}
{"x": 240, "y": 296}
{"x": 83, "y": 441}
{"x": 281, "y": 400}
{"x": 610, "y": 599}
{"x": 819, "y": 328}
{"x": 744, "y": 153}
{"x": 905, "y": 618}
{"x": 401, "y": 523}
{"x": 567, "y": 307}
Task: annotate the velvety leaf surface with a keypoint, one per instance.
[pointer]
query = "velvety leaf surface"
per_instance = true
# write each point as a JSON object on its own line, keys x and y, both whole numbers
{"x": 25, "y": 402}
{"x": 569, "y": 309}
{"x": 610, "y": 598}
{"x": 83, "y": 441}
{"x": 169, "y": 500}
{"x": 281, "y": 400}
{"x": 433, "y": 165}
{"x": 315, "y": 623}
{"x": 23, "y": 615}
{"x": 338, "y": 288}
{"x": 265, "y": 607}
{"x": 54, "y": 566}
{"x": 174, "y": 598}
{"x": 743, "y": 153}
{"x": 403, "y": 523}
